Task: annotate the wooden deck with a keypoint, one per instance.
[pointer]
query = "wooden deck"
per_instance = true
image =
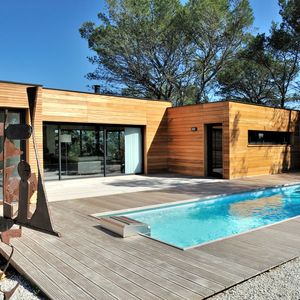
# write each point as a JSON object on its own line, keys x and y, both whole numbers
{"x": 88, "y": 263}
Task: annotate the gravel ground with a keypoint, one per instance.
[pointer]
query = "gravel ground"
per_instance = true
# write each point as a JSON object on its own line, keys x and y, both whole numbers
{"x": 25, "y": 291}
{"x": 281, "y": 283}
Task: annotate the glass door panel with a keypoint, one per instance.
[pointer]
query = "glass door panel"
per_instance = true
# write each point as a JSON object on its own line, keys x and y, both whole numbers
{"x": 91, "y": 158}
{"x": 70, "y": 151}
{"x": 133, "y": 150}
{"x": 51, "y": 151}
{"x": 115, "y": 145}
{"x": 82, "y": 151}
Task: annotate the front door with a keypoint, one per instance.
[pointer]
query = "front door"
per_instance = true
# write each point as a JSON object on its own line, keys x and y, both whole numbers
{"x": 214, "y": 150}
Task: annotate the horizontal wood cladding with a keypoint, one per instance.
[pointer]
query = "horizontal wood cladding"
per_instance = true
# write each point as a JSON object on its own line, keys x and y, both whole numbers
{"x": 63, "y": 106}
{"x": 250, "y": 160}
{"x": 13, "y": 95}
{"x": 169, "y": 143}
{"x": 186, "y": 148}
{"x": 67, "y": 106}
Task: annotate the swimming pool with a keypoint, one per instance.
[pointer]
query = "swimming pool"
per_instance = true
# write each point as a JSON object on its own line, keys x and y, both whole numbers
{"x": 190, "y": 224}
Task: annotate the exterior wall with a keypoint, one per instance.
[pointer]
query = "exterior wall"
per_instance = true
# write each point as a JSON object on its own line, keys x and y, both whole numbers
{"x": 249, "y": 160}
{"x": 169, "y": 143}
{"x": 187, "y": 148}
{"x": 67, "y": 106}
{"x": 15, "y": 96}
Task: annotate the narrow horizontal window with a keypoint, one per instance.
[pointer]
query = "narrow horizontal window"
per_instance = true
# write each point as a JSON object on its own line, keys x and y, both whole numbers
{"x": 257, "y": 137}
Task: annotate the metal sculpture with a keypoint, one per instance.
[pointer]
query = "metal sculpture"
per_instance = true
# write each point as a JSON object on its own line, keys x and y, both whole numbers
{"x": 17, "y": 192}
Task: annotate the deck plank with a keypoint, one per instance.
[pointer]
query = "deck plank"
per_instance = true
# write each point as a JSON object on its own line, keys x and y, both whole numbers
{"x": 79, "y": 286}
{"x": 142, "y": 254}
{"x": 97, "y": 266}
{"x": 45, "y": 282}
{"x": 59, "y": 278}
{"x": 92, "y": 279}
{"x": 161, "y": 267}
{"x": 88, "y": 263}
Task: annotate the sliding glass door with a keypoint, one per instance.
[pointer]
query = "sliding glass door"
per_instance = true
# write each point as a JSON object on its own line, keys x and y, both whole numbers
{"x": 115, "y": 151}
{"x": 82, "y": 151}
{"x": 75, "y": 150}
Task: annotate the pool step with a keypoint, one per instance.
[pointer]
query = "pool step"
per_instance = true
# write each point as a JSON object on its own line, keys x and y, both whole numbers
{"x": 124, "y": 226}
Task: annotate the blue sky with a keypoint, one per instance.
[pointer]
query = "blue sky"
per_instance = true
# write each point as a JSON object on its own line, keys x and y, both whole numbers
{"x": 40, "y": 42}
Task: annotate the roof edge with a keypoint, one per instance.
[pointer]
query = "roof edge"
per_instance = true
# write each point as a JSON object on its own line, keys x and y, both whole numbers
{"x": 81, "y": 92}
{"x": 237, "y": 102}
{"x": 20, "y": 83}
{"x": 108, "y": 95}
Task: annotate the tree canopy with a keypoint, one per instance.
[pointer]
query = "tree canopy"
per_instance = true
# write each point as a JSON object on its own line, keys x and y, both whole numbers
{"x": 245, "y": 79}
{"x": 140, "y": 48}
{"x": 163, "y": 49}
{"x": 196, "y": 51}
{"x": 271, "y": 64}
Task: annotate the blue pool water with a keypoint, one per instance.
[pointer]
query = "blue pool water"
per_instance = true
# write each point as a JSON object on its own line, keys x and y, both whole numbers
{"x": 186, "y": 225}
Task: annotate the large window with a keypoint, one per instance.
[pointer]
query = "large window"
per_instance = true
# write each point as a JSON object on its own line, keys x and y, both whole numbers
{"x": 76, "y": 150}
{"x": 257, "y": 137}
{"x": 13, "y": 117}
{"x": 82, "y": 150}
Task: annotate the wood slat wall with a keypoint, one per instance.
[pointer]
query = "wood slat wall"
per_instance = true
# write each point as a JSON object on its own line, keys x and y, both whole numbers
{"x": 186, "y": 148}
{"x": 250, "y": 160}
{"x": 13, "y": 95}
{"x": 67, "y": 106}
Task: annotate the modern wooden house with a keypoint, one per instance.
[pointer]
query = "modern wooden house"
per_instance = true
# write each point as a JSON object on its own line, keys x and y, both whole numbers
{"x": 87, "y": 134}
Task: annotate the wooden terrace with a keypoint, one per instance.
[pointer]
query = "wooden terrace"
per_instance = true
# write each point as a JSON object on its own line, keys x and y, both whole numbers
{"x": 89, "y": 263}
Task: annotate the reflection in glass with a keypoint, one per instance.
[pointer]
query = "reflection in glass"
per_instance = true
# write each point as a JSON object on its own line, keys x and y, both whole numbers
{"x": 76, "y": 150}
{"x": 13, "y": 117}
{"x": 115, "y": 150}
{"x": 51, "y": 151}
{"x": 82, "y": 150}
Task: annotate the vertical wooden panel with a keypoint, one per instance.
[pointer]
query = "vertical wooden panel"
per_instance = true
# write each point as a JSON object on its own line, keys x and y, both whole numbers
{"x": 38, "y": 126}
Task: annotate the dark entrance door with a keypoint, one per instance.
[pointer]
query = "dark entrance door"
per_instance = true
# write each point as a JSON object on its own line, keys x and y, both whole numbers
{"x": 214, "y": 150}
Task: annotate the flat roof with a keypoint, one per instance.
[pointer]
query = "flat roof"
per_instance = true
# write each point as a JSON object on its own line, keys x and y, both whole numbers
{"x": 146, "y": 99}
{"x": 108, "y": 95}
{"x": 82, "y": 92}
{"x": 21, "y": 83}
{"x": 235, "y": 101}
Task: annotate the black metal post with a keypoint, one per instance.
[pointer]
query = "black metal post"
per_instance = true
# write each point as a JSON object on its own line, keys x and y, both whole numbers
{"x": 59, "y": 153}
{"x": 105, "y": 150}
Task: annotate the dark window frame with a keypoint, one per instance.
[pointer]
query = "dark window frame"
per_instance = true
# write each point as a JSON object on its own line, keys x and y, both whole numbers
{"x": 269, "y": 138}
{"x": 105, "y": 127}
